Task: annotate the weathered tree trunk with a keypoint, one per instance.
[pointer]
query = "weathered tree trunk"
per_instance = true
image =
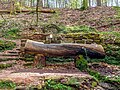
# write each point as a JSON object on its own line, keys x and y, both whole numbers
{"x": 72, "y": 49}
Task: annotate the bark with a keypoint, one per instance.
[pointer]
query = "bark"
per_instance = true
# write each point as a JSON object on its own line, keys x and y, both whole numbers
{"x": 39, "y": 60}
{"x": 24, "y": 11}
{"x": 65, "y": 50}
{"x": 37, "y": 13}
{"x": 98, "y": 2}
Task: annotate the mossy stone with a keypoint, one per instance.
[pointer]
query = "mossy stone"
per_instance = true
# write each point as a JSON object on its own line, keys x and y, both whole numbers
{"x": 97, "y": 41}
{"x": 79, "y": 41}
{"x": 117, "y": 40}
{"x": 89, "y": 41}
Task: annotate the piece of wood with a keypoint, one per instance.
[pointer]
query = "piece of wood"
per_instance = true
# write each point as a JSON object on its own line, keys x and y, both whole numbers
{"x": 24, "y": 11}
{"x": 39, "y": 59}
{"x": 65, "y": 49}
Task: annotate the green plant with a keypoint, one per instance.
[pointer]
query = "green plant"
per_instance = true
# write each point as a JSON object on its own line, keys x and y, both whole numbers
{"x": 76, "y": 29}
{"x": 54, "y": 85}
{"x": 6, "y": 45}
{"x": 81, "y": 63}
{"x": 94, "y": 84}
{"x": 58, "y": 60}
{"x": 108, "y": 59}
{"x": 95, "y": 74}
{"x": 74, "y": 4}
{"x": 1, "y": 22}
{"x": 117, "y": 8}
{"x": 110, "y": 34}
{"x": 84, "y": 5}
{"x": 101, "y": 78}
{"x": 2, "y": 66}
{"x": 11, "y": 33}
{"x": 7, "y": 84}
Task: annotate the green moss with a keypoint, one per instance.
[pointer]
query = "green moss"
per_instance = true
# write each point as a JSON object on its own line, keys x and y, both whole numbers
{"x": 117, "y": 8}
{"x": 94, "y": 84}
{"x": 110, "y": 34}
{"x": 101, "y": 78}
{"x": 6, "y": 45}
{"x": 12, "y": 33}
{"x": 7, "y": 85}
{"x": 1, "y": 22}
{"x": 54, "y": 85}
{"x": 81, "y": 63}
{"x": 117, "y": 40}
{"x": 2, "y": 66}
{"x": 58, "y": 60}
{"x": 77, "y": 29}
{"x": 89, "y": 41}
{"x": 97, "y": 41}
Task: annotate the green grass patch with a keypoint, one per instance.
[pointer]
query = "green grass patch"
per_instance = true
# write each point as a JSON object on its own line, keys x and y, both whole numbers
{"x": 111, "y": 33}
{"x": 76, "y": 29}
{"x": 59, "y": 59}
{"x": 1, "y": 22}
{"x": 7, "y": 85}
{"x": 101, "y": 78}
{"x": 6, "y": 45}
{"x": 117, "y": 8}
{"x": 108, "y": 59}
{"x": 3, "y": 66}
{"x": 81, "y": 63}
{"x": 54, "y": 85}
{"x": 12, "y": 33}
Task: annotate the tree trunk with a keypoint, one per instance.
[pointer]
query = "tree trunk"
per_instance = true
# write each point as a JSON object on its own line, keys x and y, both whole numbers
{"x": 39, "y": 60}
{"x": 72, "y": 49}
{"x": 37, "y": 13}
{"x": 98, "y": 2}
{"x": 89, "y": 3}
{"x": 85, "y": 4}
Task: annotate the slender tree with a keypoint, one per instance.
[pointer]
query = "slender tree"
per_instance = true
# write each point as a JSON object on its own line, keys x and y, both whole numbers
{"x": 89, "y": 3}
{"x": 84, "y": 4}
{"x": 98, "y": 2}
{"x": 37, "y": 13}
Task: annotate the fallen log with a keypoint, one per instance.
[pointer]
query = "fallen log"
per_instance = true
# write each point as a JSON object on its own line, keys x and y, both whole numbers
{"x": 42, "y": 50}
{"x": 65, "y": 49}
{"x": 31, "y": 11}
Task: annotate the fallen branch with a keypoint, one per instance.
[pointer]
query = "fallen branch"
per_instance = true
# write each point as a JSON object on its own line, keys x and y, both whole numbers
{"x": 24, "y": 11}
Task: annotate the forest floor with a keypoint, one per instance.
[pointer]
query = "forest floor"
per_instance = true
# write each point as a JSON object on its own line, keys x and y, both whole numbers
{"x": 101, "y": 18}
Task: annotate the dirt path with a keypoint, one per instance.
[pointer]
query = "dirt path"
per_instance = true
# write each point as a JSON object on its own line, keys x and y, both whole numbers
{"x": 22, "y": 74}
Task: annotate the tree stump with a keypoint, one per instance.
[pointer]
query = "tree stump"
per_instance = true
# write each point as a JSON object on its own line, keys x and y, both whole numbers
{"x": 39, "y": 60}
